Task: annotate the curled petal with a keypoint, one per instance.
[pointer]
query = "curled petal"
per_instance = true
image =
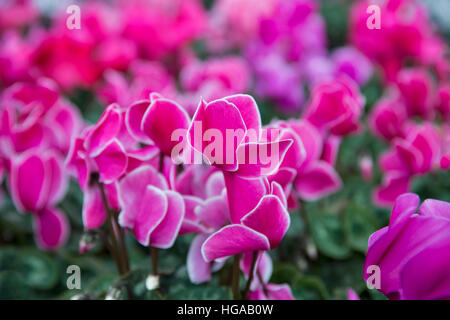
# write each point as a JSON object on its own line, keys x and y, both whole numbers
{"x": 231, "y": 240}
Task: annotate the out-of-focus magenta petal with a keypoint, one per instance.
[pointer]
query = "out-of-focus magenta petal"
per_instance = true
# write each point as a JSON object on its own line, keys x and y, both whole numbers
{"x": 94, "y": 212}
{"x": 51, "y": 228}
{"x": 317, "y": 180}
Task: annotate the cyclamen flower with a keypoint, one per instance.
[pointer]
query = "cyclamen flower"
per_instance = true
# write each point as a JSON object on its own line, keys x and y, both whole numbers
{"x": 149, "y": 208}
{"x": 235, "y": 124}
{"x": 257, "y": 224}
{"x": 444, "y": 101}
{"x": 213, "y": 79}
{"x": 146, "y": 77}
{"x": 412, "y": 253}
{"x": 336, "y": 106}
{"x": 417, "y": 154}
{"x": 405, "y": 33}
{"x": 351, "y": 62}
{"x": 418, "y": 92}
{"x": 316, "y": 176}
{"x": 37, "y": 183}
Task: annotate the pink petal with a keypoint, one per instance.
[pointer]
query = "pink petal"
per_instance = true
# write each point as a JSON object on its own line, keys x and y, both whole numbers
{"x": 152, "y": 210}
{"x": 249, "y": 110}
{"x": 231, "y": 240}
{"x": 317, "y": 180}
{"x": 161, "y": 120}
{"x": 111, "y": 162}
{"x": 133, "y": 120}
{"x": 392, "y": 186}
{"x": 51, "y": 229}
{"x": 29, "y": 182}
{"x": 435, "y": 208}
{"x": 236, "y": 187}
{"x": 198, "y": 269}
{"x": 106, "y": 129}
{"x": 270, "y": 218}
{"x": 214, "y": 212}
{"x": 261, "y": 159}
{"x": 94, "y": 213}
{"x": 131, "y": 189}
{"x": 164, "y": 235}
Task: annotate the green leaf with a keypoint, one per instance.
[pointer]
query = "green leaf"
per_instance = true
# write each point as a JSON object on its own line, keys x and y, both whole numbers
{"x": 38, "y": 270}
{"x": 309, "y": 288}
{"x": 359, "y": 224}
{"x": 328, "y": 234}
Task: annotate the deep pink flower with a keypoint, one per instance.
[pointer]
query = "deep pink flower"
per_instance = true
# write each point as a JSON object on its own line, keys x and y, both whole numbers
{"x": 236, "y": 117}
{"x": 17, "y": 13}
{"x": 213, "y": 79}
{"x": 412, "y": 253}
{"x": 417, "y": 154}
{"x": 336, "y": 106}
{"x": 404, "y": 33}
{"x": 149, "y": 208}
{"x": 388, "y": 118}
{"x": 351, "y": 62}
{"x": 418, "y": 91}
{"x": 315, "y": 177}
{"x": 443, "y": 103}
{"x": 257, "y": 224}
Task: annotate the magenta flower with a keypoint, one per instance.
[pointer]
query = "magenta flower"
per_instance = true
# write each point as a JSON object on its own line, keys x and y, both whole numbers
{"x": 389, "y": 119}
{"x": 213, "y": 79}
{"x": 37, "y": 183}
{"x": 351, "y": 62}
{"x": 444, "y": 101}
{"x": 258, "y": 223}
{"x": 412, "y": 253}
{"x": 336, "y": 106}
{"x": 417, "y": 154}
{"x": 235, "y": 123}
{"x": 315, "y": 177}
{"x": 155, "y": 121}
{"x": 405, "y": 33}
{"x": 149, "y": 208}
{"x": 418, "y": 91}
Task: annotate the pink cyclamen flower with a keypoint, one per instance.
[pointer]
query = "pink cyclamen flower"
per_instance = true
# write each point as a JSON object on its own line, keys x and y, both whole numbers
{"x": 257, "y": 224}
{"x": 315, "y": 176}
{"x": 37, "y": 184}
{"x": 235, "y": 124}
{"x": 443, "y": 103}
{"x": 149, "y": 208}
{"x": 412, "y": 253}
{"x": 336, "y": 106}
{"x": 418, "y": 91}
{"x": 351, "y": 62}
{"x": 156, "y": 121}
{"x": 388, "y": 119}
{"x": 417, "y": 154}
{"x": 213, "y": 79}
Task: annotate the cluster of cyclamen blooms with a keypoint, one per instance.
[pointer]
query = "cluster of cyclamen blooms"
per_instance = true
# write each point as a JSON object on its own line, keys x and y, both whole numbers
{"x": 283, "y": 45}
{"x": 129, "y": 161}
{"x": 416, "y": 148}
{"x": 36, "y": 128}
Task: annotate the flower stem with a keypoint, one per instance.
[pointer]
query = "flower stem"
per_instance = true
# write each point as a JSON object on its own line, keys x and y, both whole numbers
{"x": 250, "y": 275}
{"x": 154, "y": 259}
{"x": 235, "y": 279}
